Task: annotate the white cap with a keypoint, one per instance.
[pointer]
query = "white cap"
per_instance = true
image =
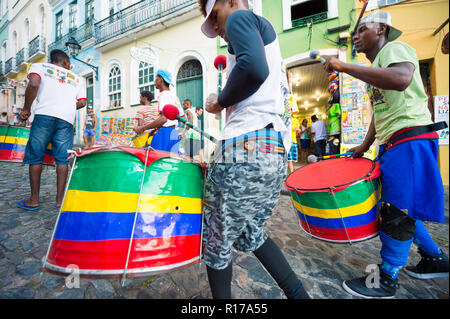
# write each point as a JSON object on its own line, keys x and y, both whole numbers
{"x": 207, "y": 27}
{"x": 385, "y": 18}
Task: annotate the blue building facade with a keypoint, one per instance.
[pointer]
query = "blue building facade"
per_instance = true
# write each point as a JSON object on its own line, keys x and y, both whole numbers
{"x": 75, "y": 19}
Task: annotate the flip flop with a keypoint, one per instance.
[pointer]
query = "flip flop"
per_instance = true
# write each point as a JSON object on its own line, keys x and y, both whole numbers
{"x": 21, "y": 204}
{"x": 57, "y": 207}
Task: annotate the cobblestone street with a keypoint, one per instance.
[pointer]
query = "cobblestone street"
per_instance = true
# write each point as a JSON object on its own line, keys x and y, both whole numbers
{"x": 322, "y": 266}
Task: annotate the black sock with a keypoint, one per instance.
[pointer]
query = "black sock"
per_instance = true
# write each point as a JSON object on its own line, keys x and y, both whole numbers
{"x": 276, "y": 264}
{"x": 220, "y": 281}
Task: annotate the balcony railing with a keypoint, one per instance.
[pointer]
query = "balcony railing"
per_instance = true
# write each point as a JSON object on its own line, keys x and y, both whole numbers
{"x": 139, "y": 14}
{"x": 36, "y": 45}
{"x": 20, "y": 57}
{"x": 1, "y": 68}
{"x": 10, "y": 65}
{"x": 81, "y": 34}
{"x": 313, "y": 18}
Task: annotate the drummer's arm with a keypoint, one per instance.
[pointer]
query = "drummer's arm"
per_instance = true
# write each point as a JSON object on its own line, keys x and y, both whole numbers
{"x": 160, "y": 121}
{"x": 31, "y": 91}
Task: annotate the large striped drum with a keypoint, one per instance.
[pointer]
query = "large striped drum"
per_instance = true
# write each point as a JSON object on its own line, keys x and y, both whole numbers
{"x": 120, "y": 215}
{"x": 337, "y": 200}
{"x": 13, "y": 140}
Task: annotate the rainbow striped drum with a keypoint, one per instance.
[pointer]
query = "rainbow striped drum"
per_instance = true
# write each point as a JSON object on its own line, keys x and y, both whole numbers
{"x": 13, "y": 140}
{"x": 337, "y": 200}
{"x": 122, "y": 216}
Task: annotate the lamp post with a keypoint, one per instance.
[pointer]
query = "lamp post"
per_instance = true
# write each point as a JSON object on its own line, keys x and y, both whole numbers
{"x": 74, "y": 48}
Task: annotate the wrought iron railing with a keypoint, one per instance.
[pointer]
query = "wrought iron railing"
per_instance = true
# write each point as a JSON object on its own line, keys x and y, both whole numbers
{"x": 10, "y": 65}
{"x": 139, "y": 14}
{"x": 313, "y": 18}
{"x": 20, "y": 57}
{"x": 81, "y": 34}
{"x": 36, "y": 45}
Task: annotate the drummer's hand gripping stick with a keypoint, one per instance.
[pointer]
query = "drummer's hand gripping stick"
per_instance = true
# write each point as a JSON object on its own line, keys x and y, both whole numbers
{"x": 172, "y": 113}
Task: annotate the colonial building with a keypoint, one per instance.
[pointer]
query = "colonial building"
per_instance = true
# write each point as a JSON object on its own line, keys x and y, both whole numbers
{"x": 74, "y": 20}
{"x": 26, "y": 43}
{"x": 135, "y": 39}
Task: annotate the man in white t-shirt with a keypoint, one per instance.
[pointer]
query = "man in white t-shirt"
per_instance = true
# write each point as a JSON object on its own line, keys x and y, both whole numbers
{"x": 166, "y": 138}
{"x": 319, "y": 129}
{"x": 58, "y": 93}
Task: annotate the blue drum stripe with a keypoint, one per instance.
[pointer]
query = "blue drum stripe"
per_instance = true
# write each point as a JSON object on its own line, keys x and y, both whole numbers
{"x": 105, "y": 226}
{"x": 336, "y": 223}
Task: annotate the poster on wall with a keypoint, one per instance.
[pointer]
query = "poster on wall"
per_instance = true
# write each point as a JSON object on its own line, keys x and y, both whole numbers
{"x": 117, "y": 131}
{"x": 441, "y": 114}
{"x": 356, "y": 112}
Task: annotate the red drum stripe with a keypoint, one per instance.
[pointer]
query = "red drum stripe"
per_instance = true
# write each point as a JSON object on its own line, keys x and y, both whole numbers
{"x": 355, "y": 233}
{"x": 112, "y": 254}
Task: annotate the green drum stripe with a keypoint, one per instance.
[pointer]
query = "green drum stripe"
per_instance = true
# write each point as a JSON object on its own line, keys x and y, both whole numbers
{"x": 3, "y": 130}
{"x": 352, "y": 195}
{"x": 19, "y": 132}
{"x": 122, "y": 172}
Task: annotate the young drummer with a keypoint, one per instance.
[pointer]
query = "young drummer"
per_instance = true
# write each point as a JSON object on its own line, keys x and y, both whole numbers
{"x": 412, "y": 190}
{"x": 249, "y": 165}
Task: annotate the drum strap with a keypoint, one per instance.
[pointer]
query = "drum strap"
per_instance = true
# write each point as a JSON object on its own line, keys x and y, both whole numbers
{"x": 420, "y": 132}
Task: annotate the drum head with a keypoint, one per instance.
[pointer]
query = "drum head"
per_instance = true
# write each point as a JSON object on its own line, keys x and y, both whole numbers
{"x": 332, "y": 173}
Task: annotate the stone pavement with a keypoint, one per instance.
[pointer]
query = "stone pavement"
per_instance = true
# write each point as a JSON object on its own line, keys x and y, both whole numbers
{"x": 322, "y": 266}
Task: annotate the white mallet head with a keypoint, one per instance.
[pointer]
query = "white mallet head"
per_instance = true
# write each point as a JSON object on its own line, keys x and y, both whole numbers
{"x": 312, "y": 159}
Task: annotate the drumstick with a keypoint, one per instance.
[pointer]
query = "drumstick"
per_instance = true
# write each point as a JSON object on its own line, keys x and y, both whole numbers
{"x": 220, "y": 62}
{"x": 314, "y": 158}
{"x": 360, "y": 15}
{"x": 172, "y": 113}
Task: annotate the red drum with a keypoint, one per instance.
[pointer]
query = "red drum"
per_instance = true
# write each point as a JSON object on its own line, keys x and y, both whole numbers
{"x": 337, "y": 200}
{"x": 13, "y": 140}
{"x": 128, "y": 211}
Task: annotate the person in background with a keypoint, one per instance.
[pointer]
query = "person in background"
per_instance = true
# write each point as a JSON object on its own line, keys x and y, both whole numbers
{"x": 293, "y": 152}
{"x": 305, "y": 140}
{"x": 166, "y": 138}
{"x": 4, "y": 118}
{"x": 59, "y": 94}
{"x": 319, "y": 129}
{"x": 198, "y": 113}
{"x": 191, "y": 137}
{"x": 148, "y": 113}
{"x": 90, "y": 125}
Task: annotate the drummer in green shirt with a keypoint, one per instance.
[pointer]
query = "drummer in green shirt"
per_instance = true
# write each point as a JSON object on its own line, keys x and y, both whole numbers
{"x": 412, "y": 189}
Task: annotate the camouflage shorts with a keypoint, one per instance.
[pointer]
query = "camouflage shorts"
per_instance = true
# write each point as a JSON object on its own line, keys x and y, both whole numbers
{"x": 239, "y": 197}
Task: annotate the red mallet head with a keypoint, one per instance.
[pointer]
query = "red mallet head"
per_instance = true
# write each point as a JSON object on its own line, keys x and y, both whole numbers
{"x": 170, "y": 111}
{"x": 220, "y": 60}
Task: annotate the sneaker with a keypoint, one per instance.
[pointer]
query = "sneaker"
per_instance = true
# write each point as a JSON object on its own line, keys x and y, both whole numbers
{"x": 358, "y": 287}
{"x": 430, "y": 266}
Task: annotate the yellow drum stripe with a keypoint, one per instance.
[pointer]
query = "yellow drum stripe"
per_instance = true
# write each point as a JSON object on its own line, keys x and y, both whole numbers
{"x": 115, "y": 202}
{"x": 348, "y": 211}
{"x": 16, "y": 140}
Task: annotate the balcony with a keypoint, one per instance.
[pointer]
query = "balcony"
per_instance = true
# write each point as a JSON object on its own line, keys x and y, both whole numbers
{"x": 313, "y": 18}
{"x": 10, "y": 67}
{"x": 36, "y": 49}
{"x": 83, "y": 33}
{"x": 139, "y": 17}
{"x": 21, "y": 59}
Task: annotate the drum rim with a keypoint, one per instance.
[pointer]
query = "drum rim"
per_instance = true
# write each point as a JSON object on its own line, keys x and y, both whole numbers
{"x": 362, "y": 178}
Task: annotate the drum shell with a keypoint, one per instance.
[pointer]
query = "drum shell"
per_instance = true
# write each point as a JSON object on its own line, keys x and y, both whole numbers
{"x": 13, "y": 141}
{"x": 350, "y": 214}
{"x": 97, "y": 216}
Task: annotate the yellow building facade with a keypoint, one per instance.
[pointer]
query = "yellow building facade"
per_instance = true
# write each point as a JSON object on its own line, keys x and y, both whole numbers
{"x": 419, "y": 21}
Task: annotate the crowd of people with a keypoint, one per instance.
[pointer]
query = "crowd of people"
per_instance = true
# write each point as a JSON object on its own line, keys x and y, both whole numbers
{"x": 239, "y": 195}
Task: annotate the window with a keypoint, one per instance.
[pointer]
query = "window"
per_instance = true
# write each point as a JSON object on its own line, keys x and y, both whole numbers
{"x": 73, "y": 10}
{"x": 89, "y": 10}
{"x": 146, "y": 77}
{"x": 298, "y": 13}
{"x": 58, "y": 26}
{"x": 374, "y": 4}
{"x": 114, "y": 88}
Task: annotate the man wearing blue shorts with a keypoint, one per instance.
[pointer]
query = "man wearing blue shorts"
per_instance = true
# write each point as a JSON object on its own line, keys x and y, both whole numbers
{"x": 249, "y": 164}
{"x": 58, "y": 93}
{"x": 90, "y": 125}
{"x": 412, "y": 190}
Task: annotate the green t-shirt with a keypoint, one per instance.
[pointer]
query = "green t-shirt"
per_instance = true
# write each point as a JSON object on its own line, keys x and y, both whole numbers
{"x": 395, "y": 110}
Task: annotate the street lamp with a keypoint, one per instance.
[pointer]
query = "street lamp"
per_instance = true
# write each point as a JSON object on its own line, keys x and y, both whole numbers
{"x": 74, "y": 48}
